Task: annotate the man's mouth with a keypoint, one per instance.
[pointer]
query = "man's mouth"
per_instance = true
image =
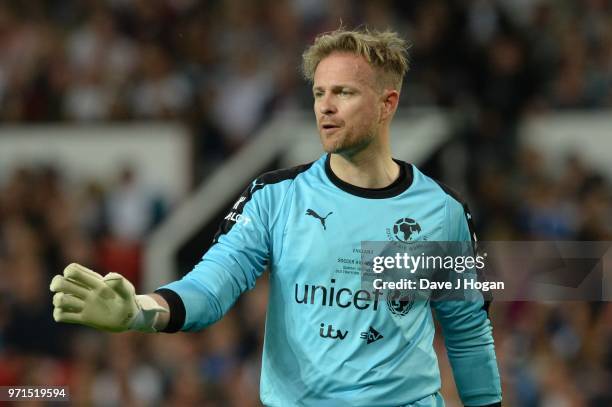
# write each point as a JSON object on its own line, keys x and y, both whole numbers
{"x": 328, "y": 126}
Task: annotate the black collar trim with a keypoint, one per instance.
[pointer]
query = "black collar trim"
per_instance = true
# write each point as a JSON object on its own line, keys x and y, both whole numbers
{"x": 401, "y": 184}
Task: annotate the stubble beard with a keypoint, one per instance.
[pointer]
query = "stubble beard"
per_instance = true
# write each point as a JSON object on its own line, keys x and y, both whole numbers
{"x": 345, "y": 146}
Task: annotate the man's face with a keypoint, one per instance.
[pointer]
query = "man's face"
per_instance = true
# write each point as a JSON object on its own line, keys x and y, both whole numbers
{"x": 346, "y": 102}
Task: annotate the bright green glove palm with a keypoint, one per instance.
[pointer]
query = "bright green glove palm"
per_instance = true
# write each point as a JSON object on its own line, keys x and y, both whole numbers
{"x": 108, "y": 303}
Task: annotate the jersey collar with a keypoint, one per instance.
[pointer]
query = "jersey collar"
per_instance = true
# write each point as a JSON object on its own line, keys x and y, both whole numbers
{"x": 401, "y": 184}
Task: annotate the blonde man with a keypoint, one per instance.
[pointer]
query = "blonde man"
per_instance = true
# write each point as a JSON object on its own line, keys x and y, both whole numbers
{"x": 330, "y": 339}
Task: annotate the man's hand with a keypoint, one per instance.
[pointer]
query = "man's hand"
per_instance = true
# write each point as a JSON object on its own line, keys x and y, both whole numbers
{"x": 108, "y": 303}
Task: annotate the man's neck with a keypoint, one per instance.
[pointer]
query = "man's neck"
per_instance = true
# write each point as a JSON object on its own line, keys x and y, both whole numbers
{"x": 368, "y": 169}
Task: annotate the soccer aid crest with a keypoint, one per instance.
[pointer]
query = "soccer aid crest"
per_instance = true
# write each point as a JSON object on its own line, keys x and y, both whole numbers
{"x": 406, "y": 229}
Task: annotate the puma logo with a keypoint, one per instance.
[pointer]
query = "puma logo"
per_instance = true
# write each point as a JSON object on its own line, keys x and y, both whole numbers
{"x": 312, "y": 213}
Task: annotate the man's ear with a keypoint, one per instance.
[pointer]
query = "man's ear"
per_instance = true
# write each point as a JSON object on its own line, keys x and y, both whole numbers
{"x": 390, "y": 99}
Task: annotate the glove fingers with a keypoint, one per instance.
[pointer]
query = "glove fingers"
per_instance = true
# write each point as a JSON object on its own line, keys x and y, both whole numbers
{"x": 83, "y": 276}
{"x": 59, "y": 315}
{"x": 84, "y": 270}
{"x": 120, "y": 285}
{"x": 68, "y": 302}
{"x": 63, "y": 285}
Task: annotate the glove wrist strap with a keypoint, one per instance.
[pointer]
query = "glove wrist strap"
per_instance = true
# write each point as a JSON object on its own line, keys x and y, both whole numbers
{"x": 148, "y": 310}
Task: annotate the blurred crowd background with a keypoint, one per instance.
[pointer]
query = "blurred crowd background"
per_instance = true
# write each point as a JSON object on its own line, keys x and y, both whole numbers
{"x": 226, "y": 67}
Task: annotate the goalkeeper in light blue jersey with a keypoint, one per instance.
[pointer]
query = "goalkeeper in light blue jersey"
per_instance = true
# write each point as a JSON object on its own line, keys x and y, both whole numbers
{"x": 328, "y": 341}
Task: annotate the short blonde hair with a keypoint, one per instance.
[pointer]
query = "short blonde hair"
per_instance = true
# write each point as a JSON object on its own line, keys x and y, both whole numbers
{"x": 383, "y": 50}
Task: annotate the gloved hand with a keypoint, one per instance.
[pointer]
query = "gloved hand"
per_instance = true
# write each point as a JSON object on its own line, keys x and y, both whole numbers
{"x": 108, "y": 303}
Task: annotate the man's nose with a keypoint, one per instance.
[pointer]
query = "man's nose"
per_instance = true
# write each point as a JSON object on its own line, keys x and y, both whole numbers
{"x": 326, "y": 106}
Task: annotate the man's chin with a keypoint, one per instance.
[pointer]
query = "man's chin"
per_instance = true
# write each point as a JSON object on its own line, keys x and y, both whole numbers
{"x": 343, "y": 148}
{"x": 331, "y": 146}
{"x": 334, "y": 148}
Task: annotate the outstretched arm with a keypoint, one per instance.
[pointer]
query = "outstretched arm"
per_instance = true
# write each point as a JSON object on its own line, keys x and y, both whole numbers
{"x": 238, "y": 256}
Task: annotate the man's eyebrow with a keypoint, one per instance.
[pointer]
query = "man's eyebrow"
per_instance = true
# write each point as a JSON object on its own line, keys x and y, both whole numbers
{"x": 336, "y": 86}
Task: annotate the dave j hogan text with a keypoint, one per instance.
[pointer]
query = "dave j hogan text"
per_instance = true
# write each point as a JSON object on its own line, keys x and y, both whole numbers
{"x": 426, "y": 284}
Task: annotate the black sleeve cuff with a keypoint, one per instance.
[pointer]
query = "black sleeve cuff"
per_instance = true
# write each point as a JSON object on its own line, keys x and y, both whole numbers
{"x": 498, "y": 404}
{"x": 177, "y": 310}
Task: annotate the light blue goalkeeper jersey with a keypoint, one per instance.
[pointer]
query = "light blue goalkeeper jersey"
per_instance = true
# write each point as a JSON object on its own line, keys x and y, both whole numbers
{"x": 328, "y": 342}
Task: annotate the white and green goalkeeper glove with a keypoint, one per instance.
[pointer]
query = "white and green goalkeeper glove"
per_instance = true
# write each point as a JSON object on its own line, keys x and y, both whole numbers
{"x": 108, "y": 303}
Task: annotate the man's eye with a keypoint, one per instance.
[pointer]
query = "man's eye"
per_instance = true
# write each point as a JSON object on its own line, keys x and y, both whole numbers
{"x": 318, "y": 94}
{"x": 345, "y": 92}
